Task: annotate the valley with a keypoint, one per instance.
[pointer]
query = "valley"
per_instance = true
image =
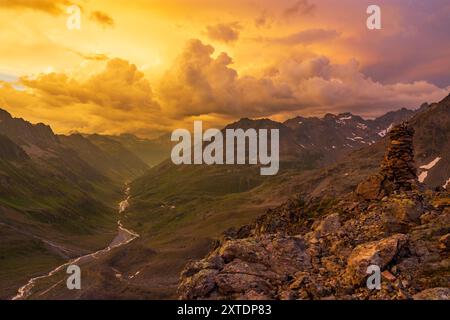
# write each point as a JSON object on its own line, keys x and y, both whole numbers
{"x": 179, "y": 212}
{"x": 123, "y": 237}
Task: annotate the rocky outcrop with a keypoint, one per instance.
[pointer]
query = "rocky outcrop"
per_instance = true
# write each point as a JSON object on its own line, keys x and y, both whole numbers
{"x": 323, "y": 248}
{"x": 246, "y": 268}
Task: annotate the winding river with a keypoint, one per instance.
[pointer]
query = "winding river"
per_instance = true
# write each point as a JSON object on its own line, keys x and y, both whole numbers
{"x": 123, "y": 237}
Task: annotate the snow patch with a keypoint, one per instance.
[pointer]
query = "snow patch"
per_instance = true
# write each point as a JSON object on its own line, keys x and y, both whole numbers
{"x": 423, "y": 176}
{"x": 384, "y": 132}
{"x": 447, "y": 184}
{"x": 431, "y": 164}
{"x": 362, "y": 126}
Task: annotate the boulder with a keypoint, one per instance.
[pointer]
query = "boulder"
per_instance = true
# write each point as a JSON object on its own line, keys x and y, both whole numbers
{"x": 371, "y": 189}
{"x": 379, "y": 253}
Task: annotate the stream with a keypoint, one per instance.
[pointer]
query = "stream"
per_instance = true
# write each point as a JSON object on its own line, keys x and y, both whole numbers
{"x": 123, "y": 237}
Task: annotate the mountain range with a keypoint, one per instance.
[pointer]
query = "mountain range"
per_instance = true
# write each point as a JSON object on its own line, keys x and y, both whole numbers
{"x": 59, "y": 194}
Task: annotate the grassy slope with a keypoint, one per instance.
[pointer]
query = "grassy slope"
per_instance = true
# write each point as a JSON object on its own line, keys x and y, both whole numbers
{"x": 43, "y": 204}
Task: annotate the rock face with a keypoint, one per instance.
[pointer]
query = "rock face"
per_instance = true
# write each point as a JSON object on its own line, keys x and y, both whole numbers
{"x": 317, "y": 249}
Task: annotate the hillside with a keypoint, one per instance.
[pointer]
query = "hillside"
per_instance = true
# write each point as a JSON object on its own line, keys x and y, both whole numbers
{"x": 303, "y": 251}
{"x": 107, "y": 156}
{"x": 179, "y": 210}
{"x": 58, "y": 198}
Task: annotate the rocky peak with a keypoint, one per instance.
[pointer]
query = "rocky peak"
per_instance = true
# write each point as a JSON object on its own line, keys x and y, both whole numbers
{"x": 25, "y": 133}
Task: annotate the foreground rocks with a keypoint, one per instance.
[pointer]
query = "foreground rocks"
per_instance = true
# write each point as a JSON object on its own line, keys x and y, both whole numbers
{"x": 319, "y": 249}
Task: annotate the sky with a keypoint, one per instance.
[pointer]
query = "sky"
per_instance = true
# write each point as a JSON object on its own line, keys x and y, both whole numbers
{"x": 148, "y": 67}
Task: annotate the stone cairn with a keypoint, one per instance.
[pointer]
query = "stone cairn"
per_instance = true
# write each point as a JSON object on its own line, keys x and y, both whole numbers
{"x": 397, "y": 172}
{"x": 398, "y": 166}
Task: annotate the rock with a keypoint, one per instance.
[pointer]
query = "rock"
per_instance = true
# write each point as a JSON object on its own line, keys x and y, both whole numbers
{"x": 371, "y": 189}
{"x": 246, "y": 268}
{"x": 433, "y": 294}
{"x": 287, "y": 295}
{"x": 199, "y": 285}
{"x": 388, "y": 276}
{"x": 253, "y": 295}
{"x": 213, "y": 262}
{"x": 230, "y": 284}
{"x": 444, "y": 242}
{"x": 329, "y": 225}
{"x": 378, "y": 253}
{"x": 401, "y": 210}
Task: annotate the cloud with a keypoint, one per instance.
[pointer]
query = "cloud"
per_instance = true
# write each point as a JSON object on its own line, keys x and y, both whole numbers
{"x": 301, "y": 7}
{"x": 102, "y": 18}
{"x": 200, "y": 84}
{"x": 306, "y": 37}
{"x": 263, "y": 20}
{"x": 121, "y": 86}
{"x": 48, "y": 6}
{"x": 93, "y": 56}
{"x": 224, "y": 32}
{"x": 118, "y": 99}
{"x": 55, "y": 7}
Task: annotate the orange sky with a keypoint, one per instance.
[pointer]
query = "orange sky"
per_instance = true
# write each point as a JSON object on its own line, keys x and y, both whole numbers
{"x": 150, "y": 66}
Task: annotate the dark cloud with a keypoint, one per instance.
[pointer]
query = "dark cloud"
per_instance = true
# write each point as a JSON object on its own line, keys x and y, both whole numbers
{"x": 224, "y": 32}
{"x": 301, "y": 7}
{"x": 92, "y": 56}
{"x": 263, "y": 20}
{"x": 102, "y": 18}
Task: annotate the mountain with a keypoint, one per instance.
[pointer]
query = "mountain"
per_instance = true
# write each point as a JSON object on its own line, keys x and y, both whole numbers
{"x": 10, "y": 151}
{"x": 334, "y": 136}
{"x": 24, "y": 133}
{"x": 106, "y": 155}
{"x": 303, "y": 250}
{"x": 152, "y": 152}
{"x": 178, "y": 211}
{"x": 53, "y": 204}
